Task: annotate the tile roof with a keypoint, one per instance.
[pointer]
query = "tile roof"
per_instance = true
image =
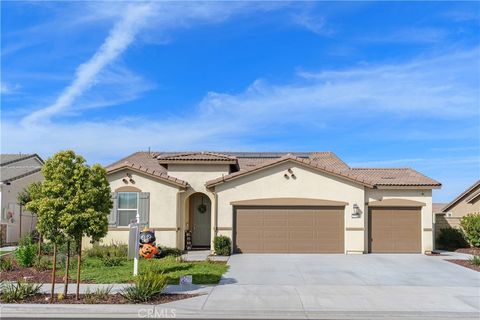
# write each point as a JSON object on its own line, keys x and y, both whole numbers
{"x": 461, "y": 195}
{"x": 248, "y": 162}
{"x": 330, "y": 159}
{"x": 11, "y": 167}
{"x": 437, "y": 207}
{"x": 326, "y": 167}
{"x": 6, "y": 158}
{"x": 395, "y": 177}
{"x": 146, "y": 163}
{"x": 195, "y": 157}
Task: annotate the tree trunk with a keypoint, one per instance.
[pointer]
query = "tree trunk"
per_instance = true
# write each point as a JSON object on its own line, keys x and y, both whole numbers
{"x": 39, "y": 253}
{"x": 79, "y": 255}
{"x": 52, "y": 294}
{"x": 20, "y": 224}
{"x": 67, "y": 267}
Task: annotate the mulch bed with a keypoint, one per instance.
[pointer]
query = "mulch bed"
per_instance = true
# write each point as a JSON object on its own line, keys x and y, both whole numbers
{"x": 472, "y": 251}
{"x": 464, "y": 263}
{"x": 33, "y": 275}
{"x": 111, "y": 299}
{"x": 30, "y": 275}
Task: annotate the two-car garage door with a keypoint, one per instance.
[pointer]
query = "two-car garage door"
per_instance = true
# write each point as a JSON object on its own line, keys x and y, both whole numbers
{"x": 289, "y": 229}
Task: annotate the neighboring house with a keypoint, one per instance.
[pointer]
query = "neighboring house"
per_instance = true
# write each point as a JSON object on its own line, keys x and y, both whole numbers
{"x": 272, "y": 202}
{"x": 17, "y": 171}
{"x": 467, "y": 202}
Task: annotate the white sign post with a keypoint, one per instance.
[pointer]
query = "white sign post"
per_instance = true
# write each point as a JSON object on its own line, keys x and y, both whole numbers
{"x": 133, "y": 243}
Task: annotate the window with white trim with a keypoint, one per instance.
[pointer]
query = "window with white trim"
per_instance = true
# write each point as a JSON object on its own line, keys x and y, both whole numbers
{"x": 127, "y": 207}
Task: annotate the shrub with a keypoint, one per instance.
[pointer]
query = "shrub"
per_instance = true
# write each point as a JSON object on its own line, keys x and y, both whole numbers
{"x": 25, "y": 255}
{"x": 112, "y": 261}
{"x": 43, "y": 264}
{"x": 146, "y": 286}
{"x": 112, "y": 250}
{"x": 475, "y": 260}
{"x": 100, "y": 294}
{"x": 47, "y": 248}
{"x": 15, "y": 292}
{"x": 471, "y": 226}
{"x": 222, "y": 245}
{"x": 6, "y": 263}
{"x": 26, "y": 240}
{"x": 169, "y": 252}
{"x": 451, "y": 239}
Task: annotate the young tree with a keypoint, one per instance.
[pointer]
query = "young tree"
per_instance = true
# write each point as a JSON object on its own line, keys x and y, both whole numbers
{"x": 93, "y": 207}
{"x": 46, "y": 205}
{"x": 80, "y": 196}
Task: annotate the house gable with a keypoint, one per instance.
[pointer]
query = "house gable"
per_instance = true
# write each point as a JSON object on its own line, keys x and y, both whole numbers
{"x": 470, "y": 195}
{"x": 293, "y": 161}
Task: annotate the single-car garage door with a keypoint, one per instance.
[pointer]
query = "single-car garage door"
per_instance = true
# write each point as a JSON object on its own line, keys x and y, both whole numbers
{"x": 395, "y": 230}
{"x": 289, "y": 229}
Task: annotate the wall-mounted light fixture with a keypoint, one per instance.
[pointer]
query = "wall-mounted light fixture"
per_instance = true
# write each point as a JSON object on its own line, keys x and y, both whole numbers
{"x": 132, "y": 181}
{"x": 357, "y": 212}
{"x": 125, "y": 180}
{"x": 286, "y": 176}
{"x": 290, "y": 170}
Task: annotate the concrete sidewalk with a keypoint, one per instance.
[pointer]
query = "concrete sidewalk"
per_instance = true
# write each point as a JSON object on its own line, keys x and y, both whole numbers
{"x": 118, "y": 287}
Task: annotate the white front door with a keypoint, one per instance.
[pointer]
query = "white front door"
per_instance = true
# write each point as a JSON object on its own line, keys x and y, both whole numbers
{"x": 201, "y": 220}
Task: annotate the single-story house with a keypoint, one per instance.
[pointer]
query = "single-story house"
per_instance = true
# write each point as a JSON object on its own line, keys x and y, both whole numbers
{"x": 17, "y": 171}
{"x": 272, "y": 202}
{"x": 466, "y": 202}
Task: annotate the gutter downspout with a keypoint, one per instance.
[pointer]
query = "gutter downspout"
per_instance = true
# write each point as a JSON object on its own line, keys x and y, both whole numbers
{"x": 215, "y": 218}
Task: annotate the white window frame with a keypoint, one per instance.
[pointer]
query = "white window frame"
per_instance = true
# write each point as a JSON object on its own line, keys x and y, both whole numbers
{"x": 119, "y": 209}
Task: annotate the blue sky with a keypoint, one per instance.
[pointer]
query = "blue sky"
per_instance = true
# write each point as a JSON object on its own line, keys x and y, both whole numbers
{"x": 380, "y": 84}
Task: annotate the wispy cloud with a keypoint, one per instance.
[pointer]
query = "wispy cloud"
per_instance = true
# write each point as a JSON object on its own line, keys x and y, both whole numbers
{"x": 314, "y": 23}
{"x": 442, "y": 86}
{"x": 152, "y": 16}
{"x": 121, "y": 36}
{"x": 6, "y": 88}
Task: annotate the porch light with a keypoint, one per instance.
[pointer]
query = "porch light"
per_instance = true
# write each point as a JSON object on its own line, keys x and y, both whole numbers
{"x": 356, "y": 211}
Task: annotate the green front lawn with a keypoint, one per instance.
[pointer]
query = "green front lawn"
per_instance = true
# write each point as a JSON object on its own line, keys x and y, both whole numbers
{"x": 5, "y": 251}
{"x": 203, "y": 272}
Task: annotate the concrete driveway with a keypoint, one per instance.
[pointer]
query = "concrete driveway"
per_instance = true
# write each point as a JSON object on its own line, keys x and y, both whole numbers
{"x": 339, "y": 286}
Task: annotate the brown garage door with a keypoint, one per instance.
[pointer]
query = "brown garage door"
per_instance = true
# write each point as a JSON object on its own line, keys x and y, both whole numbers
{"x": 395, "y": 230}
{"x": 289, "y": 229}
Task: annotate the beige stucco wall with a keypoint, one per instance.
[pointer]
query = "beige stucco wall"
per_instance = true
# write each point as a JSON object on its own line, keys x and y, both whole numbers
{"x": 196, "y": 176}
{"x": 9, "y": 194}
{"x": 463, "y": 207}
{"x": 421, "y": 195}
{"x": 271, "y": 183}
{"x": 163, "y": 207}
